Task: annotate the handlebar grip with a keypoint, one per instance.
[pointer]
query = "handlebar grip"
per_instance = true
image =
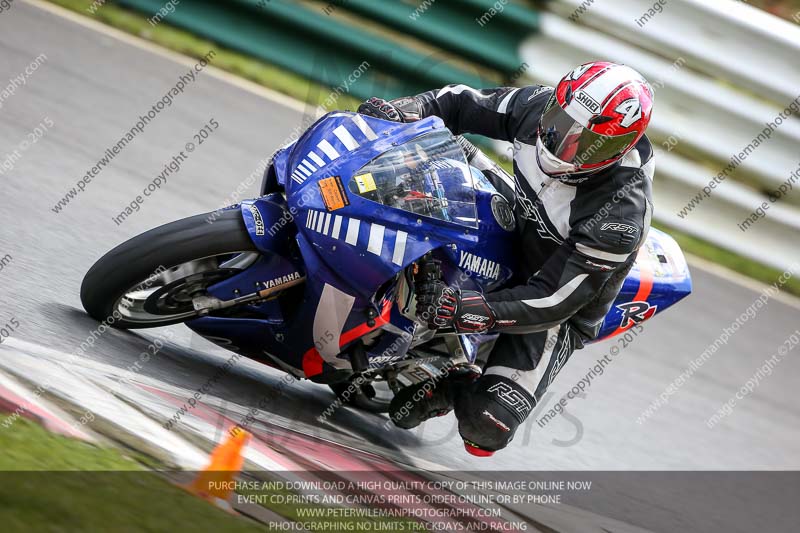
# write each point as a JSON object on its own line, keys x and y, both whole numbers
{"x": 428, "y": 270}
{"x": 470, "y": 150}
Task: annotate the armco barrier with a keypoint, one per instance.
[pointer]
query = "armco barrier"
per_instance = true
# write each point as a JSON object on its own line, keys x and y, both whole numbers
{"x": 309, "y": 43}
{"x": 476, "y": 30}
{"x": 698, "y": 114}
{"x": 695, "y": 114}
{"x": 728, "y": 39}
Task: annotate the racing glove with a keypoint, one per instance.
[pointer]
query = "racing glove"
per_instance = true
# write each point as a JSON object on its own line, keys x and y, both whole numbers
{"x": 399, "y": 110}
{"x": 443, "y": 307}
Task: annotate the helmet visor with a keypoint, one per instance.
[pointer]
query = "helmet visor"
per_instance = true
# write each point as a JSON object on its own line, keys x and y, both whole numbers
{"x": 570, "y": 142}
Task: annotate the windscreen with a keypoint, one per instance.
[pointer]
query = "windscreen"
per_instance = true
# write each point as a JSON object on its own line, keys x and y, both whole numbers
{"x": 427, "y": 176}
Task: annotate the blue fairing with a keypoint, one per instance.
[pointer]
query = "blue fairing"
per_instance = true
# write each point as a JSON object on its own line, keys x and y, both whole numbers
{"x": 330, "y": 226}
{"x": 659, "y": 279}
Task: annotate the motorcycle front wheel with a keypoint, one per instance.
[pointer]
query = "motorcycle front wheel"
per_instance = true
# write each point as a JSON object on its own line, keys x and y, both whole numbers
{"x": 151, "y": 280}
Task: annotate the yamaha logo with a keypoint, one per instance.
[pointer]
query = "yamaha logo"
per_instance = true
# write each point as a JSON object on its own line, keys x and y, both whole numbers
{"x": 283, "y": 280}
{"x": 481, "y": 266}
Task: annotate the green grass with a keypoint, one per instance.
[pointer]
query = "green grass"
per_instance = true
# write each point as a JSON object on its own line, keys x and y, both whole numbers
{"x": 53, "y": 483}
{"x": 314, "y": 94}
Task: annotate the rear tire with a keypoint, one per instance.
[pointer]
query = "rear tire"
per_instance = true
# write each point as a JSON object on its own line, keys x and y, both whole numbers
{"x": 168, "y": 247}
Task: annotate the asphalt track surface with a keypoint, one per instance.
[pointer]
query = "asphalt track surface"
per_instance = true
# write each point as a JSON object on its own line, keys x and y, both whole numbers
{"x": 93, "y": 87}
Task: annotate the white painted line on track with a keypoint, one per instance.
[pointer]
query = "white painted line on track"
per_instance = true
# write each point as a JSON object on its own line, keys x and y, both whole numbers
{"x": 29, "y": 403}
{"x": 35, "y": 363}
{"x": 45, "y": 365}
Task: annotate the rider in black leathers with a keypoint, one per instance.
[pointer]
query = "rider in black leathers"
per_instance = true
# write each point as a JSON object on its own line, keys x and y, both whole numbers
{"x": 580, "y": 221}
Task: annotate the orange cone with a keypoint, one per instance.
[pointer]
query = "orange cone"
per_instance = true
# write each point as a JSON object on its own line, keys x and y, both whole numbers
{"x": 216, "y": 482}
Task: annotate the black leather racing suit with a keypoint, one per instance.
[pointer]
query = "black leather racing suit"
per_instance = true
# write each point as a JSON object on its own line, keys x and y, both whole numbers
{"x": 578, "y": 243}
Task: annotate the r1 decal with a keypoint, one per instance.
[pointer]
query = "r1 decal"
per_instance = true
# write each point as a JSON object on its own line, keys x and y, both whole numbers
{"x": 635, "y": 313}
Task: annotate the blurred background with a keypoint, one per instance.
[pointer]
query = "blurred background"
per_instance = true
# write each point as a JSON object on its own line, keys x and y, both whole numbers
{"x": 727, "y": 92}
{"x": 722, "y": 71}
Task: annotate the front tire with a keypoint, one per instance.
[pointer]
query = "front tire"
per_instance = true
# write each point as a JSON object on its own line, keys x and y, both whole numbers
{"x": 150, "y": 280}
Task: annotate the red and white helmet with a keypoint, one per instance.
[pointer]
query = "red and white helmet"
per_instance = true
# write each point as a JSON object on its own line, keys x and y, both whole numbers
{"x": 597, "y": 114}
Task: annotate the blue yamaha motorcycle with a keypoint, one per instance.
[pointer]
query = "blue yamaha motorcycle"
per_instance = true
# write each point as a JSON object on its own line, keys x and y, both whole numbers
{"x": 315, "y": 277}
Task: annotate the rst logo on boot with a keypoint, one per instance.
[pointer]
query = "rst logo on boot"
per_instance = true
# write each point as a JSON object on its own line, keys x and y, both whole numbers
{"x": 511, "y": 397}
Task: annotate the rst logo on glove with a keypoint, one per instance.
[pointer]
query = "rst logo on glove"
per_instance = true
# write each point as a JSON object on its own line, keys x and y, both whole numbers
{"x": 475, "y": 318}
{"x": 619, "y": 226}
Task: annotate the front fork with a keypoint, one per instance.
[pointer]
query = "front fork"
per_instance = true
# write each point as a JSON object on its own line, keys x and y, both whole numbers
{"x": 459, "y": 351}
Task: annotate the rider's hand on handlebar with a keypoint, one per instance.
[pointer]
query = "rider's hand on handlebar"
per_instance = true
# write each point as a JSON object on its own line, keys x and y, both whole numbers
{"x": 399, "y": 110}
{"x": 443, "y": 307}
{"x": 436, "y": 304}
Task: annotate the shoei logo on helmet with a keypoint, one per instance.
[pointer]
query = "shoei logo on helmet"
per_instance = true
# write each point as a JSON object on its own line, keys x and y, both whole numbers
{"x": 588, "y": 102}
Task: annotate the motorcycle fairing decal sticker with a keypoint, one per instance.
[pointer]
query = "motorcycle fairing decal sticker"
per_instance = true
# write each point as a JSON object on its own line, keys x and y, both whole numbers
{"x": 399, "y": 253}
{"x": 328, "y": 149}
{"x": 376, "y": 232}
{"x": 332, "y": 311}
{"x": 645, "y": 286}
{"x": 305, "y": 167}
{"x": 364, "y": 127}
{"x": 333, "y": 193}
{"x": 316, "y": 159}
{"x": 635, "y": 313}
{"x": 321, "y": 222}
{"x": 283, "y": 280}
{"x": 257, "y": 220}
{"x": 380, "y": 237}
{"x": 479, "y": 265}
{"x": 346, "y": 138}
{"x": 365, "y": 183}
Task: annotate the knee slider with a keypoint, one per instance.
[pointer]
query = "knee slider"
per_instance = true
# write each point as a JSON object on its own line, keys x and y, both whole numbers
{"x": 490, "y": 411}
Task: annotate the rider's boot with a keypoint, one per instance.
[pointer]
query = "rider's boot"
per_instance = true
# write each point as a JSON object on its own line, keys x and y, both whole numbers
{"x": 434, "y": 397}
